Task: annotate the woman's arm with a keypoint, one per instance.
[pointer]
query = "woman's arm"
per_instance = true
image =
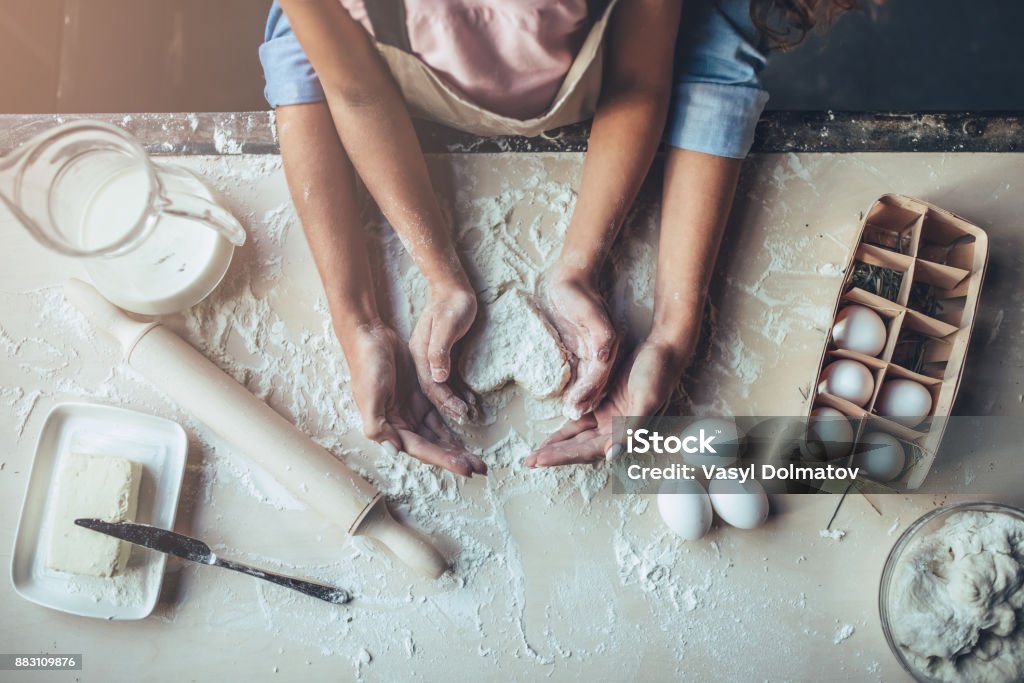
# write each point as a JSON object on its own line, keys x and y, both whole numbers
{"x": 717, "y": 99}
{"x": 623, "y": 140}
{"x": 377, "y": 135}
{"x": 696, "y": 198}
{"x": 322, "y": 185}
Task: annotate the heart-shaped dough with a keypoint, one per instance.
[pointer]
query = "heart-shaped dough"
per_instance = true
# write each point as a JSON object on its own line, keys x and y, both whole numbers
{"x": 513, "y": 342}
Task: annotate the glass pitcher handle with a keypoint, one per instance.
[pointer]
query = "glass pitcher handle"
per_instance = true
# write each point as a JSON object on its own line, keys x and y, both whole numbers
{"x": 199, "y": 208}
{"x": 205, "y": 211}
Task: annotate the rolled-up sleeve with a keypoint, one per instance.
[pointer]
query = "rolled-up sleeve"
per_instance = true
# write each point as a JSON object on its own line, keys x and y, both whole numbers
{"x": 289, "y": 76}
{"x": 717, "y": 96}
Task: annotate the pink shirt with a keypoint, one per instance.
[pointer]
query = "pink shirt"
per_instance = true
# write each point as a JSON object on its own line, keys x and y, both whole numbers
{"x": 507, "y": 56}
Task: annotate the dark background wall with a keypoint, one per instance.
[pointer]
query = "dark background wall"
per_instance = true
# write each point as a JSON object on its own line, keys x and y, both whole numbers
{"x": 915, "y": 55}
{"x": 200, "y": 55}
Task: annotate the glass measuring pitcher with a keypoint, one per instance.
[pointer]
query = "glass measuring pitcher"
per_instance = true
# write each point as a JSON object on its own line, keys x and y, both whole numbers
{"x": 152, "y": 236}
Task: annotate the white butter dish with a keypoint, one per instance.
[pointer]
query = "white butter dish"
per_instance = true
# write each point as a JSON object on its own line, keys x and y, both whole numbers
{"x": 160, "y": 447}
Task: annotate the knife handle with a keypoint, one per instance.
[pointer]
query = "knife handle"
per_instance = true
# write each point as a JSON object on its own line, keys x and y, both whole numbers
{"x": 330, "y": 594}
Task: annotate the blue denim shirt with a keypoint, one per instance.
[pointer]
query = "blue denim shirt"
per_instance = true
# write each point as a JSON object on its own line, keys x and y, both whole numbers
{"x": 716, "y": 97}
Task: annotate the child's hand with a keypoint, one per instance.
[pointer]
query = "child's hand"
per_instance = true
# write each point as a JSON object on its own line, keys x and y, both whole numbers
{"x": 578, "y": 312}
{"x": 394, "y": 410}
{"x": 642, "y": 388}
{"x": 448, "y": 317}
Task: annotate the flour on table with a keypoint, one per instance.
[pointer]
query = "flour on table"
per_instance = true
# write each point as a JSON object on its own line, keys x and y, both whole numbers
{"x": 843, "y": 633}
{"x": 515, "y": 344}
{"x": 267, "y": 325}
{"x": 127, "y": 588}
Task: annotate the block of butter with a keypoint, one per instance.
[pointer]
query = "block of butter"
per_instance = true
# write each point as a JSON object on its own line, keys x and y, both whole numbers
{"x": 104, "y": 487}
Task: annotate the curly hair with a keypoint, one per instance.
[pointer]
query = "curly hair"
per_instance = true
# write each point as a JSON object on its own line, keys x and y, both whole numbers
{"x": 786, "y": 23}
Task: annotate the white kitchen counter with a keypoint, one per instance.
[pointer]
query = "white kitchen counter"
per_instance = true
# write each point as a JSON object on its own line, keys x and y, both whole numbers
{"x": 553, "y": 575}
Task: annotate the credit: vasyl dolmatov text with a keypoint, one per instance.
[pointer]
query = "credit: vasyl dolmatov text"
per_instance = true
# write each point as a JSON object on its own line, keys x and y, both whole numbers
{"x": 743, "y": 473}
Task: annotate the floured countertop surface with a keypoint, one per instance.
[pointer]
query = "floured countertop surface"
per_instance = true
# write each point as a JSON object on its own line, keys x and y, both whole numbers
{"x": 553, "y": 574}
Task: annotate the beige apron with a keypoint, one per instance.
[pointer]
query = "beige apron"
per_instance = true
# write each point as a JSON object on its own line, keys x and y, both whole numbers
{"x": 429, "y": 97}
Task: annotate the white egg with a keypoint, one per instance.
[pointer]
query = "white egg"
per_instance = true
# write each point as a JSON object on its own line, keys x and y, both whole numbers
{"x": 743, "y": 505}
{"x": 880, "y": 456}
{"x": 858, "y": 328}
{"x": 685, "y": 508}
{"x": 847, "y": 379}
{"x": 726, "y": 440}
{"x": 904, "y": 401}
{"x": 829, "y": 435}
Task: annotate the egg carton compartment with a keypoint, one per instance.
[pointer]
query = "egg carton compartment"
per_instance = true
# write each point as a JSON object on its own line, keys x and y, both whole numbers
{"x": 877, "y": 369}
{"x": 855, "y": 422}
{"x": 896, "y": 372}
{"x": 938, "y": 291}
{"x": 873, "y": 363}
{"x": 881, "y": 272}
{"x": 924, "y": 345}
{"x": 879, "y": 474}
{"x": 945, "y": 239}
{"x": 828, "y": 441}
{"x": 894, "y": 227}
{"x": 919, "y": 455}
{"x": 884, "y": 307}
{"x": 851, "y": 410}
{"x": 890, "y": 312}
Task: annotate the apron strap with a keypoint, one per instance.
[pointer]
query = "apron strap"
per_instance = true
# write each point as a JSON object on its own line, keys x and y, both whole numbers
{"x": 388, "y": 20}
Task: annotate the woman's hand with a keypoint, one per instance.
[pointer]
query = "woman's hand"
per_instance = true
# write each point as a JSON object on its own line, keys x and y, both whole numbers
{"x": 578, "y": 312}
{"x": 644, "y": 385}
{"x": 448, "y": 317}
{"x": 394, "y": 411}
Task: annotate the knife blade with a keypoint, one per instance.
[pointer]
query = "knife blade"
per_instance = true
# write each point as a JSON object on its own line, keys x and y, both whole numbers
{"x": 194, "y": 550}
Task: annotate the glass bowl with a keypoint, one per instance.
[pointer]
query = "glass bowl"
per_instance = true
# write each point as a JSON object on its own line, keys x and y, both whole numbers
{"x": 927, "y": 524}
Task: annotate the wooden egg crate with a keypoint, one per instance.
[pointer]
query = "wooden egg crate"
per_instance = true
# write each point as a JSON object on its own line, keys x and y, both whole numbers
{"x": 921, "y": 269}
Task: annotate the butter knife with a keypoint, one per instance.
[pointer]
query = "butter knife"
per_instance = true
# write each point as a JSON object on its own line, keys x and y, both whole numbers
{"x": 194, "y": 550}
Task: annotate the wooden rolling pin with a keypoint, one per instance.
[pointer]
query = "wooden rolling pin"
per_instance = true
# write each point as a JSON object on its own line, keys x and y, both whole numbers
{"x": 253, "y": 428}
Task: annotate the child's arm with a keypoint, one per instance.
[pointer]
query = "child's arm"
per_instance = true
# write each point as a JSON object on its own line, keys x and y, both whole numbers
{"x": 623, "y": 140}
{"x": 375, "y": 130}
{"x": 384, "y": 385}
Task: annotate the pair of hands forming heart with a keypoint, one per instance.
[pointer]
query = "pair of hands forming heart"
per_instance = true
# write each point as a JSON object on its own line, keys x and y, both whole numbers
{"x": 402, "y": 390}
